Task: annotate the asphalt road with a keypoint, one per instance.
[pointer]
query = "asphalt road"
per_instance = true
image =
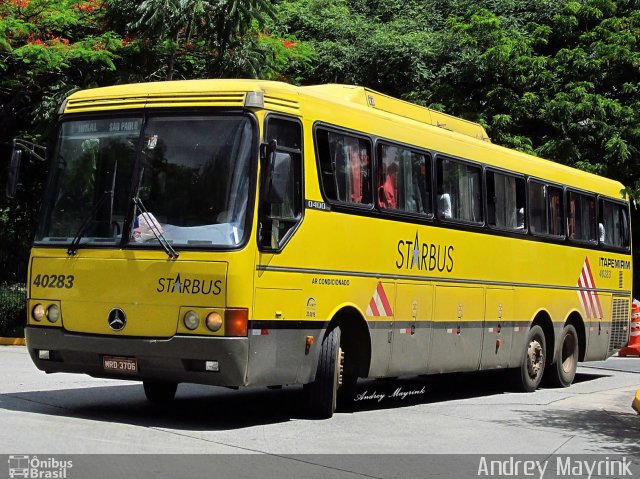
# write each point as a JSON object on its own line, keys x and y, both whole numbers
{"x": 465, "y": 414}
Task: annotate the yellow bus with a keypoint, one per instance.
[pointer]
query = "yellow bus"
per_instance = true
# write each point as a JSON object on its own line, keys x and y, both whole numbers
{"x": 252, "y": 233}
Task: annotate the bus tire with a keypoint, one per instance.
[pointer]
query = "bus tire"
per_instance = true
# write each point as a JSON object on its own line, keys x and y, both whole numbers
{"x": 159, "y": 392}
{"x": 527, "y": 376}
{"x": 562, "y": 373}
{"x": 322, "y": 393}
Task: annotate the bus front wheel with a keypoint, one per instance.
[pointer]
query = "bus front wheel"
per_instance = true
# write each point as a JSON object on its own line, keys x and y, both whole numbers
{"x": 564, "y": 370}
{"x": 323, "y": 391}
{"x": 159, "y": 392}
{"x": 527, "y": 377}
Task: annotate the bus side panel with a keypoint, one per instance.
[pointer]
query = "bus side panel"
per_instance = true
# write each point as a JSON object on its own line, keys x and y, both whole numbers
{"x": 498, "y": 329}
{"x": 277, "y": 337}
{"x": 457, "y": 329}
{"x": 381, "y": 325}
{"x": 599, "y": 331}
{"x": 411, "y": 333}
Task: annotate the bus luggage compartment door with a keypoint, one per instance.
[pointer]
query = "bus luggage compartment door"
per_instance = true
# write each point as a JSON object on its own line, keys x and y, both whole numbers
{"x": 498, "y": 329}
{"x": 412, "y": 329}
{"x": 456, "y": 338}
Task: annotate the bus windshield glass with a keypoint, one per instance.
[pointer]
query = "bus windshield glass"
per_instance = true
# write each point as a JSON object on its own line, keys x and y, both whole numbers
{"x": 189, "y": 175}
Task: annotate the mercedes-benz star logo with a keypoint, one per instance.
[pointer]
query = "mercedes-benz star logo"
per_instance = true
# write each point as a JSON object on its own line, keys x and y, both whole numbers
{"x": 117, "y": 319}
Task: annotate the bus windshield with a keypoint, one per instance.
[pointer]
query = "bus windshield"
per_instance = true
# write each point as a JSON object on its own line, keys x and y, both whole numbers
{"x": 189, "y": 174}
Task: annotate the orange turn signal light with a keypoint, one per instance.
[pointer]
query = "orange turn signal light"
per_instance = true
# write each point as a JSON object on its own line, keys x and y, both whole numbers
{"x": 235, "y": 321}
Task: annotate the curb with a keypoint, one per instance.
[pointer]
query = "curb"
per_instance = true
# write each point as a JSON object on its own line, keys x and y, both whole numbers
{"x": 12, "y": 342}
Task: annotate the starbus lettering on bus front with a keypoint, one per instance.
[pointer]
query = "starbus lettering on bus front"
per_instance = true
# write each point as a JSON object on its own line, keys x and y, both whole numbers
{"x": 189, "y": 286}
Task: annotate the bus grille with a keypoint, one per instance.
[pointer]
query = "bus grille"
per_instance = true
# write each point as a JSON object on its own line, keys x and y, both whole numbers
{"x": 619, "y": 324}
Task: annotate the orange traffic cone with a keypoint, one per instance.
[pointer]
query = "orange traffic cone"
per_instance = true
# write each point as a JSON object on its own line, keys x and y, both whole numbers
{"x": 633, "y": 349}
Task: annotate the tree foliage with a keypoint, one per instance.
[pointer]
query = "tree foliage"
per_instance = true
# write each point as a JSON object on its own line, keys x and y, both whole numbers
{"x": 47, "y": 48}
{"x": 203, "y": 39}
{"x": 50, "y": 47}
{"x": 557, "y": 78}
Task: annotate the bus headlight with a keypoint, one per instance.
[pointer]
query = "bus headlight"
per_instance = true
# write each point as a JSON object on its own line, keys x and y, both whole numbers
{"x": 37, "y": 313}
{"x": 214, "y": 321}
{"x": 53, "y": 313}
{"x": 191, "y": 320}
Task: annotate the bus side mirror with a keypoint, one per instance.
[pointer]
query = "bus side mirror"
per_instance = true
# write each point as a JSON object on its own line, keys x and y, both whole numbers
{"x": 266, "y": 150}
{"x": 278, "y": 178}
{"x": 37, "y": 151}
{"x": 14, "y": 172}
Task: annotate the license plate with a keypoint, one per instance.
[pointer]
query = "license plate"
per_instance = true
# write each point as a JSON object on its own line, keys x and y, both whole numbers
{"x": 120, "y": 364}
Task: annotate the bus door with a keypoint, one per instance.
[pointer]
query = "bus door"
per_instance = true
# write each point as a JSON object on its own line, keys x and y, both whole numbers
{"x": 279, "y": 326}
{"x": 456, "y": 338}
{"x": 498, "y": 328}
{"x": 411, "y": 332}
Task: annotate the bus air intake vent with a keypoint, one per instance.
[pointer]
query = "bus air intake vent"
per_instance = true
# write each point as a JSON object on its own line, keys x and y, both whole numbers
{"x": 619, "y": 324}
{"x": 277, "y": 103}
{"x": 230, "y": 99}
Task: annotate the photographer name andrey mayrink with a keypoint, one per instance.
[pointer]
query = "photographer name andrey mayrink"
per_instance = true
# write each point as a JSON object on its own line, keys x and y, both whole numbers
{"x": 564, "y": 466}
{"x": 398, "y": 393}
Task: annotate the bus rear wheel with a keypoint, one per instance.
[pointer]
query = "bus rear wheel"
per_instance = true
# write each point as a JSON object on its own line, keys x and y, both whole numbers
{"x": 159, "y": 391}
{"x": 564, "y": 370}
{"x": 527, "y": 377}
{"x": 322, "y": 393}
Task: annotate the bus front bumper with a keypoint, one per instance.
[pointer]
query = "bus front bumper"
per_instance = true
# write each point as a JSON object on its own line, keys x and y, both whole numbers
{"x": 192, "y": 359}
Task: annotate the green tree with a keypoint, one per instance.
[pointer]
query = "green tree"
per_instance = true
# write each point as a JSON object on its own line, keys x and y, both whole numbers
{"x": 558, "y": 79}
{"x": 47, "y": 48}
{"x": 203, "y": 38}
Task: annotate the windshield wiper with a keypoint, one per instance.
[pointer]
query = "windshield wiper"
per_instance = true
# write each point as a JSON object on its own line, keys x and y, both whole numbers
{"x": 73, "y": 247}
{"x": 155, "y": 229}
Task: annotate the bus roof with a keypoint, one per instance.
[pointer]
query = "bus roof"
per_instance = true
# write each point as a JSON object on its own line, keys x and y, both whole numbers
{"x": 446, "y": 133}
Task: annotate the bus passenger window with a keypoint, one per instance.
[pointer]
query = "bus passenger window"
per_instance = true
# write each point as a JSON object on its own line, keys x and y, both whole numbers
{"x": 345, "y": 167}
{"x": 545, "y": 209}
{"x": 505, "y": 201}
{"x": 403, "y": 179}
{"x": 537, "y": 208}
{"x": 556, "y": 225}
{"x": 581, "y": 217}
{"x": 613, "y": 224}
{"x": 459, "y": 191}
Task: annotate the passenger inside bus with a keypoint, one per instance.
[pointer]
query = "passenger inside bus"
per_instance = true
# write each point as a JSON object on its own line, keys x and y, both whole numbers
{"x": 359, "y": 172}
{"x": 387, "y": 193}
{"x": 444, "y": 205}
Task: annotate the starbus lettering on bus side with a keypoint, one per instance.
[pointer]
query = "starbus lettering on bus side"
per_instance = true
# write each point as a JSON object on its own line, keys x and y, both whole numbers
{"x": 424, "y": 256}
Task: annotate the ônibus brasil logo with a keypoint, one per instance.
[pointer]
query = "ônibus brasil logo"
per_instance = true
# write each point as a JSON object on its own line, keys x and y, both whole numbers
{"x": 38, "y": 468}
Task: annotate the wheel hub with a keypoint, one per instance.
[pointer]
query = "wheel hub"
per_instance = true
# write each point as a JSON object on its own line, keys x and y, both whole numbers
{"x": 534, "y": 356}
{"x": 568, "y": 349}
